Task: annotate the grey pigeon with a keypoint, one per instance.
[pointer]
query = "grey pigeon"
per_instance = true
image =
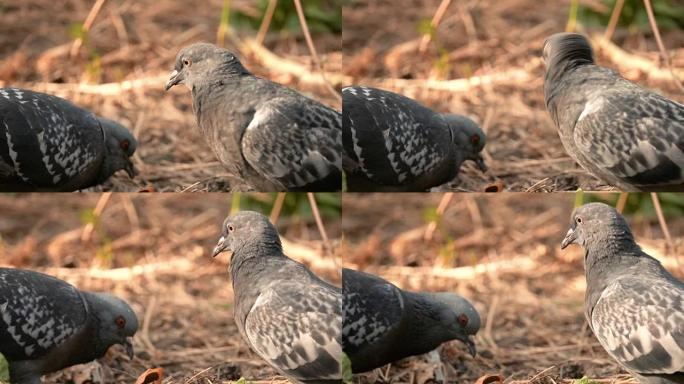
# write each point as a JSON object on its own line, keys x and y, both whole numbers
{"x": 625, "y": 135}
{"x": 46, "y": 324}
{"x": 270, "y": 137}
{"x": 285, "y": 313}
{"x": 50, "y": 144}
{"x": 633, "y": 305}
{"x": 382, "y": 323}
{"x": 392, "y": 143}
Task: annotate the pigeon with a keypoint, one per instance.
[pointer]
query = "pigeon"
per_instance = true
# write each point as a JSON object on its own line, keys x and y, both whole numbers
{"x": 382, "y": 323}
{"x": 270, "y": 137}
{"x": 47, "y": 324}
{"x": 285, "y": 313}
{"x": 623, "y": 134}
{"x": 393, "y": 144}
{"x": 633, "y": 305}
{"x": 50, "y": 144}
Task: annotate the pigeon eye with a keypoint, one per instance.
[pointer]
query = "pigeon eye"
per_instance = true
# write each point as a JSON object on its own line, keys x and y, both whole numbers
{"x": 230, "y": 228}
{"x": 462, "y": 320}
{"x": 578, "y": 220}
{"x": 475, "y": 139}
{"x": 120, "y": 322}
{"x": 187, "y": 62}
{"x": 125, "y": 144}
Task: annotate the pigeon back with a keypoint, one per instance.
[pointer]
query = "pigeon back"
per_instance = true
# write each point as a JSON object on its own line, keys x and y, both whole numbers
{"x": 47, "y": 141}
{"x": 393, "y": 139}
{"x": 37, "y": 313}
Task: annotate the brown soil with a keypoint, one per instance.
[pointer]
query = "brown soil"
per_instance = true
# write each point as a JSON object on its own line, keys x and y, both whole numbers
{"x": 529, "y": 293}
{"x": 154, "y": 252}
{"x": 138, "y": 41}
{"x": 501, "y": 39}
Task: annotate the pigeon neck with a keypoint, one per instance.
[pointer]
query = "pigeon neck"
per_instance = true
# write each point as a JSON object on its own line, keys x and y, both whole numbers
{"x": 558, "y": 69}
{"x": 424, "y": 325}
{"x": 609, "y": 257}
{"x": 249, "y": 258}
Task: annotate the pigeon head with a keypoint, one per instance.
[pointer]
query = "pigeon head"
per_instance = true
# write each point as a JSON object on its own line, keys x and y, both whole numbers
{"x": 468, "y": 137}
{"x": 566, "y": 50}
{"x": 597, "y": 225}
{"x": 247, "y": 230}
{"x": 458, "y": 318}
{"x": 116, "y": 322}
{"x": 203, "y": 61}
{"x": 120, "y": 147}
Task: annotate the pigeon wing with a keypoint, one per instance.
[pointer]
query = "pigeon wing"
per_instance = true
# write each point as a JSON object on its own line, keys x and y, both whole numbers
{"x": 296, "y": 328}
{"x": 295, "y": 144}
{"x": 637, "y": 136}
{"x": 641, "y": 324}
{"x": 393, "y": 139}
{"x": 37, "y": 313}
{"x": 372, "y": 308}
{"x": 47, "y": 139}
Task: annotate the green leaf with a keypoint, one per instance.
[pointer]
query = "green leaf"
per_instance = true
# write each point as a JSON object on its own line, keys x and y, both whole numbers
{"x": 346, "y": 369}
{"x": 4, "y": 370}
{"x": 584, "y": 380}
{"x": 77, "y": 31}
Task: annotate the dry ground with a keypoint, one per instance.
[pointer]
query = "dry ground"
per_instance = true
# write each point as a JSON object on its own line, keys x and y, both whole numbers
{"x": 137, "y": 41}
{"x": 503, "y": 254}
{"x": 155, "y": 252}
{"x": 485, "y": 62}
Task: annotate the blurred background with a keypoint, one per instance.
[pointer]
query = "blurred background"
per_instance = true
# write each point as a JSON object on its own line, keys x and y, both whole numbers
{"x": 482, "y": 58}
{"x": 154, "y": 251}
{"x": 502, "y": 253}
{"x": 114, "y": 56}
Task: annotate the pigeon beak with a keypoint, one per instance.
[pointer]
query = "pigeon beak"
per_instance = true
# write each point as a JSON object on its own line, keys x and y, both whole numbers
{"x": 480, "y": 163}
{"x": 130, "y": 170}
{"x": 129, "y": 348}
{"x": 570, "y": 238}
{"x": 220, "y": 247}
{"x": 175, "y": 78}
{"x": 470, "y": 344}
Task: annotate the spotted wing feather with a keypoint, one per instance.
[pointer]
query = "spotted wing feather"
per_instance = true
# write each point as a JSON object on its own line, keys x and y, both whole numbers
{"x": 391, "y": 138}
{"x": 294, "y": 144}
{"x": 296, "y": 328}
{"x": 46, "y": 139}
{"x": 640, "y": 322}
{"x": 372, "y": 308}
{"x": 633, "y": 134}
{"x": 37, "y": 313}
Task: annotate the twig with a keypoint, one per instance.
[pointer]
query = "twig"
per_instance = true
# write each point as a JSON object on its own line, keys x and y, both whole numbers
{"x": 514, "y": 76}
{"x": 614, "y": 17}
{"x": 661, "y": 46}
{"x": 441, "y": 207}
{"x": 319, "y": 223}
{"x": 663, "y": 225}
{"x": 312, "y": 49}
{"x": 99, "y": 207}
{"x": 145, "y": 334}
{"x": 490, "y": 322}
{"x": 277, "y": 206}
{"x": 224, "y": 27}
{"x": 436, "y": 19}
{"x": 87, "y": 24}
{"x": 622, "y": 201}
{"x": 266, "y": 22}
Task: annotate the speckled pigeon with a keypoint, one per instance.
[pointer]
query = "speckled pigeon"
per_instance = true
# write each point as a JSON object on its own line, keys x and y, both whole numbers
{"x": 287, "y": 315}
{"x": 633, "y": 305}
{"x": 625, "y": 135}
{"x": 50, "y": 144}
{"x": 270, "y": 137}
{"x": 382, "y": 323}
{"x": 392, "y": 143}
{"x": 46, "y": 324}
